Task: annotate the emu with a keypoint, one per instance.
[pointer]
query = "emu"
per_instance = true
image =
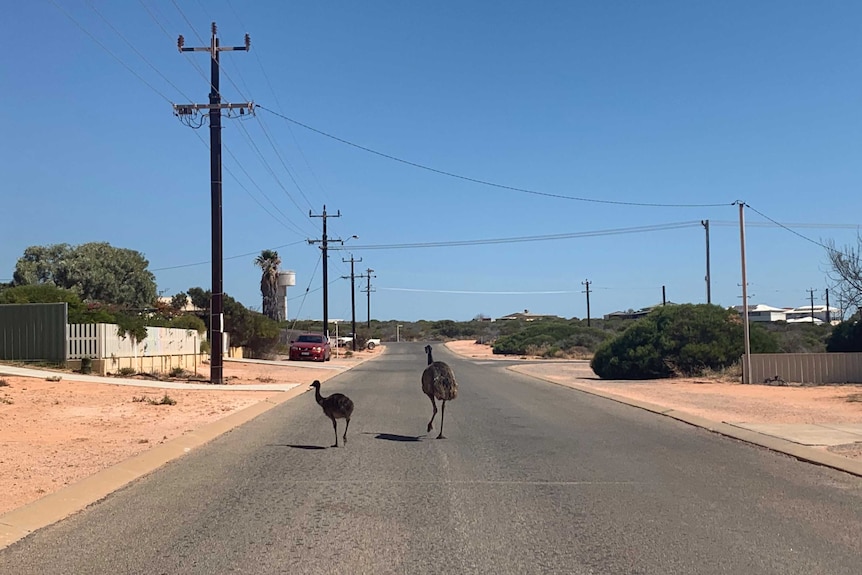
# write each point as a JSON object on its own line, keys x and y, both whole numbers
{"x": 335, "y": 406}
{"x": 438, "y": 382}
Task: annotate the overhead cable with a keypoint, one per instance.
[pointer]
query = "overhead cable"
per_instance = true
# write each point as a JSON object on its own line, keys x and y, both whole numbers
{"x": 487, "y": 183}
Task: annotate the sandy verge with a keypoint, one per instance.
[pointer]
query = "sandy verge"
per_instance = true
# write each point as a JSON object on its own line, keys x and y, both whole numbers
{"x": 53, "y": 434}
{"x": 719, "y": 401}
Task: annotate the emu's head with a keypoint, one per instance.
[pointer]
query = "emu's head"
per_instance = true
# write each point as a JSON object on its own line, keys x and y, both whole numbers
{"x": 315, "y": 384}
{"x": 427, "y": 349}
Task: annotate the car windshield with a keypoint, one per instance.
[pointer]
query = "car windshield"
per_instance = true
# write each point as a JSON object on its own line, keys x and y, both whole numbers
{"x": 311, "y": 338}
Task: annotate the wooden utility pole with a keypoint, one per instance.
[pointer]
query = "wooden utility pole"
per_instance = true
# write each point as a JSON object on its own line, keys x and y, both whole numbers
{"x": 811, "y": 293}
{"x": 587, "y": 291}
{"x": 746, "y": 330}
{"x": 324, "y": 248}
{"x": 368, "y": 291}
{"x": 215, "y": 107}
{"x": 705, "y": 224}
{"x": 352, "y": 296}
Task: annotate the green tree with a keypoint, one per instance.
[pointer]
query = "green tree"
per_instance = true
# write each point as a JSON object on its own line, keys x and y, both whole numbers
{"x": 96, "y": 272}
{"x": 78, "y": 312}
{"x": 200, "y": 298}
{"x": 249, "y": 329}
{"x": 179, "y": 301}
{"x": 845, "y": 337}
{"x": 678, "y": 340}
{"x": 268, "y": 261}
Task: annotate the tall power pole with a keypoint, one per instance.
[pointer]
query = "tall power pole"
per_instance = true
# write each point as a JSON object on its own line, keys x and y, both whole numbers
{"x": 352, "y": 296}
{"x": 215, "y": 107}
{"x": 828, "y": 314}
{"x": 587, "y": 291}
{"x": 746, "y": 330}
{"x": 324, "y": 247}
{"x": 705, "y": 224}
{"x": 811, "y": 292}
{"x": 368, "y": 291}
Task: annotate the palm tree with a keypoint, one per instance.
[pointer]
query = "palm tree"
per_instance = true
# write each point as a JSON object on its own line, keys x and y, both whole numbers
{"x": 268, "y": 261}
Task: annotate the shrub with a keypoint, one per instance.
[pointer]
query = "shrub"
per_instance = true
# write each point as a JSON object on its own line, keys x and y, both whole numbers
{"x": 86, "y": 365}
{"x": 126, "y": 371}
{"x": 678, "y": 340}
{"x": 178, "y": 372}
{"x": 165, "y": 400}
{"x": 551, "y": 339}
{"x": 845, "y": 337}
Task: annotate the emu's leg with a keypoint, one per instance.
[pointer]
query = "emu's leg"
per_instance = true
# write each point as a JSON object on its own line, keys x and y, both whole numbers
{"x": 434, "y": 405}
{"x": 442, "y": 414}
{"x": 335, "y": 427}
{"x": 346, "y": 425}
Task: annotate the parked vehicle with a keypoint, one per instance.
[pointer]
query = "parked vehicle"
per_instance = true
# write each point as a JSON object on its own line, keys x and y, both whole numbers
{"x": 313, "y": 346}
{"x": 343, "y": 340}
{"x": 372, "y": 343}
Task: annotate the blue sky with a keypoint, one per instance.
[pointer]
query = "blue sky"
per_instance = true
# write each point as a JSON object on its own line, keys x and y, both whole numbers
{"x": 621, "y": 103}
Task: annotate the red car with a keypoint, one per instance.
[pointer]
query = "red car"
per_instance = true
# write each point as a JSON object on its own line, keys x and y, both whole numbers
{"x": 313, "y": 346}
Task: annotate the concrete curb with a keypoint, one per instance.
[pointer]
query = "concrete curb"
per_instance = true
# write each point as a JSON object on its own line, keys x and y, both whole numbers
{"x": 801, "y": 452}
{"x": 21, "y": 522}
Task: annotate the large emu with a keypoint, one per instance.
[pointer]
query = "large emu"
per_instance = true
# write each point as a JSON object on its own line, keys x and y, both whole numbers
{"x": 335, "y": 406}
{"x": 438, "y": 382}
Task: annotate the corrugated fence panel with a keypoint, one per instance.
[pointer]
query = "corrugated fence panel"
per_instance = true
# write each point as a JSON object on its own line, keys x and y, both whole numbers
{"x": 809, "y": 368}
{"x": 33, "y": 332}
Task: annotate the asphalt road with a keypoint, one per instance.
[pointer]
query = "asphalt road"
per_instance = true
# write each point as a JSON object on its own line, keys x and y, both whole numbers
{"x": 533, "y": 478}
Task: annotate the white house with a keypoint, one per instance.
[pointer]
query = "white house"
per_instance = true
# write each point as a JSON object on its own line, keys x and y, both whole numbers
{"x": 763, "y": 312}
{"x": 804, "y": 313}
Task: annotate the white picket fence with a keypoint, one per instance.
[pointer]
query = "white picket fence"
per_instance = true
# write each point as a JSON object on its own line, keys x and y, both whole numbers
{"x": 103, "y": 341}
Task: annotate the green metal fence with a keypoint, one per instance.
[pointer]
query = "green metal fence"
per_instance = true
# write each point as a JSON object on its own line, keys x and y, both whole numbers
{"x": 33, "y": 332}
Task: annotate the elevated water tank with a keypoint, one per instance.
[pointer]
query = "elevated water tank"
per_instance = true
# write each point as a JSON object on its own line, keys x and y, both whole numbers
{"x": 286, "y": 278}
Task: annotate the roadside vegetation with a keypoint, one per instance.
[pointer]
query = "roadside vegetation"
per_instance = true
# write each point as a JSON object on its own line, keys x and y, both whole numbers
{"x": 104, "y": 284}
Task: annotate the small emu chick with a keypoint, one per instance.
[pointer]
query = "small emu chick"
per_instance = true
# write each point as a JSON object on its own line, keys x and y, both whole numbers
{"x": 335, "y": 406}
{"x": 438, "y": 381}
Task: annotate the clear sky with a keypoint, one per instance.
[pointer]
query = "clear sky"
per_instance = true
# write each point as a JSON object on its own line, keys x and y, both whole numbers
{"x": 521, "y": 110}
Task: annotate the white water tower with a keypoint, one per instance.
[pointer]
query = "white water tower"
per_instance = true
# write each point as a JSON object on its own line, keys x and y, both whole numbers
{"x": 285, "y": 280}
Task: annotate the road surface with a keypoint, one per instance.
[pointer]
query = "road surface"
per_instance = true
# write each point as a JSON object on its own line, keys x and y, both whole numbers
{"x": 533, "y": 478}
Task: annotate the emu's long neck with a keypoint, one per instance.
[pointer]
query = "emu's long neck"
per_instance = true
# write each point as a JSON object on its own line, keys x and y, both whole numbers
{"x": 430, "y": 359}
{"x": 317, "y": 397}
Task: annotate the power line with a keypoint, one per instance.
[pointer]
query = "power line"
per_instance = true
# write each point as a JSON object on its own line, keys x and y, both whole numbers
{"x": 794, "y": 232}
{"x": 290, "y": 225}
{"x": 278, "y": 103}
{"x": 135, "y": 49}
{"x": 487, "y": 183}
{"x": 293, "y": 225}
{"x": 254, "y": 253}
{"x": 771, "y": 224}
{"x": 106, "y": 49}
{"x": 268, "y": 167}
{"x": 189, "y": 59}
{"x": 475, "y": 292}
{"x": 521, "y": 239}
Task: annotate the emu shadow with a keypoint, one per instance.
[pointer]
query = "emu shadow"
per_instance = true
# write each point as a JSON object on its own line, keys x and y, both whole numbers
{"x": 396, "y": 437}
{"x": 308, "y": 447}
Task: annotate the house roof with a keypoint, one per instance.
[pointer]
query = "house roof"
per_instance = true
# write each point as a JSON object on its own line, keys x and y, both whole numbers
{"x": 527, "y": 314}
{"x": 762, "y": 307}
